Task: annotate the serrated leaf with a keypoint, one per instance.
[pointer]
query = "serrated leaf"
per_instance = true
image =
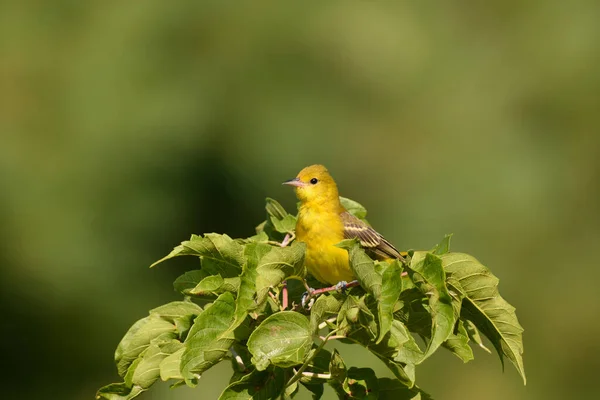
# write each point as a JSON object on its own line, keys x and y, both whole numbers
{"x": 484, "y": 306}
{"x": 442, "y": 247}
{"x": 337, "y": 367}
{"x": 220, "y": 254}
{"x": 357, "y": 383}
{"x": 170, "y": 366}
{"x": 178, "y": 251}
{"x": 176, "y": 309}
{"x": 147, "y": 370}
{"x": 283, "y": 339}
{"x": 429, "y": 267}
{"x": 357, "y": 316}
{"x": 354, "y": 208}
{"x": 363, "y": 267}
{"x": 186, "y": 282}
{"x": 274, "y": 208}
{"x": 208, "y": 340}
{"x": 285, "y": 225}
{"x": 281, "y": 221}
{"x": 325, "y": 306}
{"x": 317, "y": 389}
{"x": 458, "y": 343}
{"x": 277, "y": 265}
{"x": 362, "y": 383}
{"x": 118, "y": 391}
{"x": 258, "y": 385}
{"x": 392, "y": 389}
{"x": 260, "y": 237}
{"x": 474, "y": 335}
{"x": 215, "y": 285}
{"x": 390, "y": 291}
{"x": 399, "y": 352}
{"x": 245, "y": 299}
{"x": 319, "y": 364}
{"x": 138, "y": 338}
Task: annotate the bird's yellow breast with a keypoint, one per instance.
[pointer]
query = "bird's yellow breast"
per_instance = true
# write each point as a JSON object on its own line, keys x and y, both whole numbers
{"x": 321, "y": 229}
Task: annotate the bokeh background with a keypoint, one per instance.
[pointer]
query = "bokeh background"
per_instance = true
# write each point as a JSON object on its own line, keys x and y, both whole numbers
{"x": 127, "y": 126}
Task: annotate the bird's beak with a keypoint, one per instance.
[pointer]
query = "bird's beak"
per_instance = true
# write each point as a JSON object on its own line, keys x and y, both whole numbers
{"x": 294, "y": 182}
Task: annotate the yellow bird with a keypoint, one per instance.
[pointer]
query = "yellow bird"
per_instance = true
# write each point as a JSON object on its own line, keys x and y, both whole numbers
{"x": 323, "y": 222}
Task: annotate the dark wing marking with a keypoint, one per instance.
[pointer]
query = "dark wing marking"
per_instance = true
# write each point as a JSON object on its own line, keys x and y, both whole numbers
{"x": 369, "y": 238}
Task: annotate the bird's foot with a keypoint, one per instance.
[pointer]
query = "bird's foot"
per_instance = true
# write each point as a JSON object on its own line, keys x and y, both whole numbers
{"x": 308, "y": 298}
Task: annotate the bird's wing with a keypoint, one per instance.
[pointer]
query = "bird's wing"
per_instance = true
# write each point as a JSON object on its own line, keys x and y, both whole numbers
{"x": 369, "y": 238}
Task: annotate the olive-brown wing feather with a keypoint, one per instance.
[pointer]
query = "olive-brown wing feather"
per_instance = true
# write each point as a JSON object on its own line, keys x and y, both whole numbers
{"x": 369, "y": 238}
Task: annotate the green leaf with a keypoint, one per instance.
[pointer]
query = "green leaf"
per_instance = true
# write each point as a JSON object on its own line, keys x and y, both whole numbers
{"x": 363, "y": 267}
{"x": 220, "y": 254}
{"x": 285, "y": 225}
{"x": 147, "y": 370}
{"x": 180, "y": 250}
{"x": 258, "y": 385}
{"x": 390, "y": 291}
{"x": 208, "y": 340}
{"x": 317, "y": 389}
{"x": 429, "y": 267}
{"x": 274, "y": 209}
{"x": 215, "y": 285}
{"x": 392, "y": 389}
{"x": 399, "y": 352}
{"x": 260, "y": 237}
{"x": 170, "y": 365}
{"x": 484, "y": 306}
{"x": 358, "y": 383}
{"x": 277, "y": 265}
{"x": 442, "y": 247}
{"x": 138, "y": 338}
{"x": 176, "y": 309}
{"x": 458, "y": 343}
{"x": 338, "y": 371}
{"x": 362, "y": 383}
{"x": 245, "y": 300}
{"x": 281, "y": 221}
{"x": 325, "y": 307}
{"x": 474, "y": 334}
{"x": 186, "y": 282}
{"x": 118, "y": 391}
{"x": 354, "y": 208}
{"x": 319, "y": 365}
{"x": 283, "y": 339}
{"x": 357, "y": 316}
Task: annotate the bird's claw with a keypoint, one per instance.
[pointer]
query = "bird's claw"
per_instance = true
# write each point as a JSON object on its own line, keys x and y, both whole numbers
{"x": 341, "y": 286}
{"x": 307, "y": 297}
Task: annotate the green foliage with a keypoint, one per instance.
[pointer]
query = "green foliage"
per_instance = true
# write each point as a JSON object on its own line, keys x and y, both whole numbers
{"x": 447, "y": 299}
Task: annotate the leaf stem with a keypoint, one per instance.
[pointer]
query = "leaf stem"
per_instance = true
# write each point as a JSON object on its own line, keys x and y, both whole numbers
{"x": 324, "y": 323}
{"x": 333, "y": 337}
{"x": 315, "y": 375}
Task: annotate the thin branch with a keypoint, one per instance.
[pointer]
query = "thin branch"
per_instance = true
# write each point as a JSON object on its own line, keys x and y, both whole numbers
{"x": 284, "y": 295}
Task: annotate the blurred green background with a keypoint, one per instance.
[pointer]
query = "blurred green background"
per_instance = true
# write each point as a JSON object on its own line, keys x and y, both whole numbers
{"x": 127, "y": 126}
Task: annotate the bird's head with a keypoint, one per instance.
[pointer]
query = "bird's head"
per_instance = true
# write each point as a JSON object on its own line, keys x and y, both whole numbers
{"x": 314, "y": 185}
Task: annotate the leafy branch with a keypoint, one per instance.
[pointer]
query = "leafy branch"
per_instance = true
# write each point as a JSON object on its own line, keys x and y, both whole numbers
{"x": 243, "y": 304}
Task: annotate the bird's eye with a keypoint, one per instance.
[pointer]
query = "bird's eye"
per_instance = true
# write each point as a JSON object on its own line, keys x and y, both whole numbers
{"x": 314, "y": 181}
